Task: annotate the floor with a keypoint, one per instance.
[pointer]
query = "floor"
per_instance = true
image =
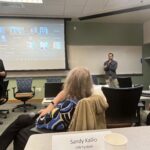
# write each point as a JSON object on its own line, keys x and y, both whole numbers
{"x": 13, "y": 115}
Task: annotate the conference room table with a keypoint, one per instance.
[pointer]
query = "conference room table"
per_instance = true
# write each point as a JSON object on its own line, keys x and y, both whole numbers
{"x": 138, "y": 138}
{"x": 146, "y": 96}
{"x": 46, "y": 101}
{"x": 98, "y": 88}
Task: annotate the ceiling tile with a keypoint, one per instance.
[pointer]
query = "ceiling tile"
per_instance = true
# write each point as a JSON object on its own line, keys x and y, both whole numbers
{"x": 75, "y": 11}
{"x": 123, "y": 4}
{"x": 74, "y": 8}
{"x": 94, "y": 7}
{"x": 75, "y": 2}
{"x": 79, "y": 8}
{"x": 132, "y": 17}
{"x": 54, "y": 2}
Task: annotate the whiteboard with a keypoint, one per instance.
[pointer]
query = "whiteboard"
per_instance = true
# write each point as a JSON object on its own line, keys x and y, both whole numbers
{"x": 93, "y": 57}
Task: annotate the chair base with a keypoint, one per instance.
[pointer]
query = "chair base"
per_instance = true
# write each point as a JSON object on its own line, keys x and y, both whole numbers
{"x": 3, "y": 113}
{"x": 24, "y": 106}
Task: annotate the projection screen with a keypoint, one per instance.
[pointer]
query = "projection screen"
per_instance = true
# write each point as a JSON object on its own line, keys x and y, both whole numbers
{"x": 33, "y": 44}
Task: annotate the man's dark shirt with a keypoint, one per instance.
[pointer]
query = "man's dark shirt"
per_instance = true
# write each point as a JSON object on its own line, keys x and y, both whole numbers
{"x": 110, "y": 70}
{"x": 2, "y": 68}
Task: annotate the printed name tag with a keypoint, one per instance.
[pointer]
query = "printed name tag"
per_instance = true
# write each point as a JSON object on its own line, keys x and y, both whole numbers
{"x": 79, "y": 141}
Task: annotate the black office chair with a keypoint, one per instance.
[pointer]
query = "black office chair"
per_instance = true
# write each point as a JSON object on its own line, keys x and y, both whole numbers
{"x": 95, "y": 80}
{"x": 123, "y": 108}
{"x": 24, "y": 93}
{"x": 124, "y": 82}
{"x": 4, "y": 99}
{"x": 54, "y": 79}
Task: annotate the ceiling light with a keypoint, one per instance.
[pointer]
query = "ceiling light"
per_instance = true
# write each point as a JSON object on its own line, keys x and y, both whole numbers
{"x": 23, "y": 1}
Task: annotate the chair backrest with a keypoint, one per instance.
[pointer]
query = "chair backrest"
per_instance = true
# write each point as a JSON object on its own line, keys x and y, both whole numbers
{"x": 124, "y": 82}
{"x": 95, "y": 80}
{"x": 24, "y": 85}
{"x": 52, "y": 89}
{"x": 54, "y": 79}
{"x": 123, "y": 102}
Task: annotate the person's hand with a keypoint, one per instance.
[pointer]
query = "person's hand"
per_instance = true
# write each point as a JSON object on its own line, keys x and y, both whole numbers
{"x": 43, "y": 112}
{"x": 105, "y": 66}
{"x": 109, "y": 62}
{"x": 2, "y": 73}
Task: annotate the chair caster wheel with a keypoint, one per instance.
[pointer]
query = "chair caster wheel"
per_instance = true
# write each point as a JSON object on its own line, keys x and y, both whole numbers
{"x": 13, "y": 110}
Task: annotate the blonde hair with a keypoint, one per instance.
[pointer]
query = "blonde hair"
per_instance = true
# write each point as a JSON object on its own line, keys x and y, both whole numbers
{"x": 78, "y": 83}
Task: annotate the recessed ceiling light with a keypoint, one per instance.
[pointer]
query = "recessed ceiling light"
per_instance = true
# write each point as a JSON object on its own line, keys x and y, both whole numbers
{"x": 23, "y": 1}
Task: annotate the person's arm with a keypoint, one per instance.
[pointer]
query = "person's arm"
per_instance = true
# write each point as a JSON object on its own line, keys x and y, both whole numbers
{"x": 106, "y": 66}
{"x": 2, "y": 72}
{"x": 60, "y": 97}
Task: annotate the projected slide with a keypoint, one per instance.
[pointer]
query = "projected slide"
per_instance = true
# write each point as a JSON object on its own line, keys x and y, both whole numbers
{"x": 32, "y": 44}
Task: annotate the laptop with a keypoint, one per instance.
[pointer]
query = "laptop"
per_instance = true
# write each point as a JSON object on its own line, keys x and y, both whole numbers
{"x": 51, "y": 91}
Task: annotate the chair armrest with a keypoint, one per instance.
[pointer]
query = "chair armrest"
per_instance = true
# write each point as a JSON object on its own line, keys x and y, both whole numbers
{"x": 3, "y": 101}
{"x": 14, "y": 91}
{"x": 7, "y": 93}
{"x": 33, "y": 90}
{"x": 136, "y": 85}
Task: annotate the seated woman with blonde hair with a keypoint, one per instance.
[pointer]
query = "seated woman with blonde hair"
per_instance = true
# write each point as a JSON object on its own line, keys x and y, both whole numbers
{"x": 78, "y": 85}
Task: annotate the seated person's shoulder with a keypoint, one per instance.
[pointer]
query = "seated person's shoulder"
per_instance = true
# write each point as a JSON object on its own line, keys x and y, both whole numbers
{"x": 100, "y": 93}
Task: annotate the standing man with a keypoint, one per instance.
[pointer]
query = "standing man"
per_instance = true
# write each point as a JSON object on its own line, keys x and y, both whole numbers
{"x": 110, "y": 67}
{"x": 2, "y": 76}
{"x": 2, "y": 73}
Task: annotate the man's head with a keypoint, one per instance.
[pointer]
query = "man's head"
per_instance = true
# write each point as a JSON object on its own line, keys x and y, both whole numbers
{"x": 110, "y": 56}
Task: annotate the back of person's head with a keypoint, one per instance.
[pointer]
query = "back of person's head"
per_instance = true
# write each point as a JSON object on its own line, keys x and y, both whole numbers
{"x": 78, "y": 83}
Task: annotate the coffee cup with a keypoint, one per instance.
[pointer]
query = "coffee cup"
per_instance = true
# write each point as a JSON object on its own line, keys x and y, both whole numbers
{"x": 115, "y": 141}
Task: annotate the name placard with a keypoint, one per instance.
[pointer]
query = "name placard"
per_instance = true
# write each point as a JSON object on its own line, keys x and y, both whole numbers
{"x": 79, "y": 141}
